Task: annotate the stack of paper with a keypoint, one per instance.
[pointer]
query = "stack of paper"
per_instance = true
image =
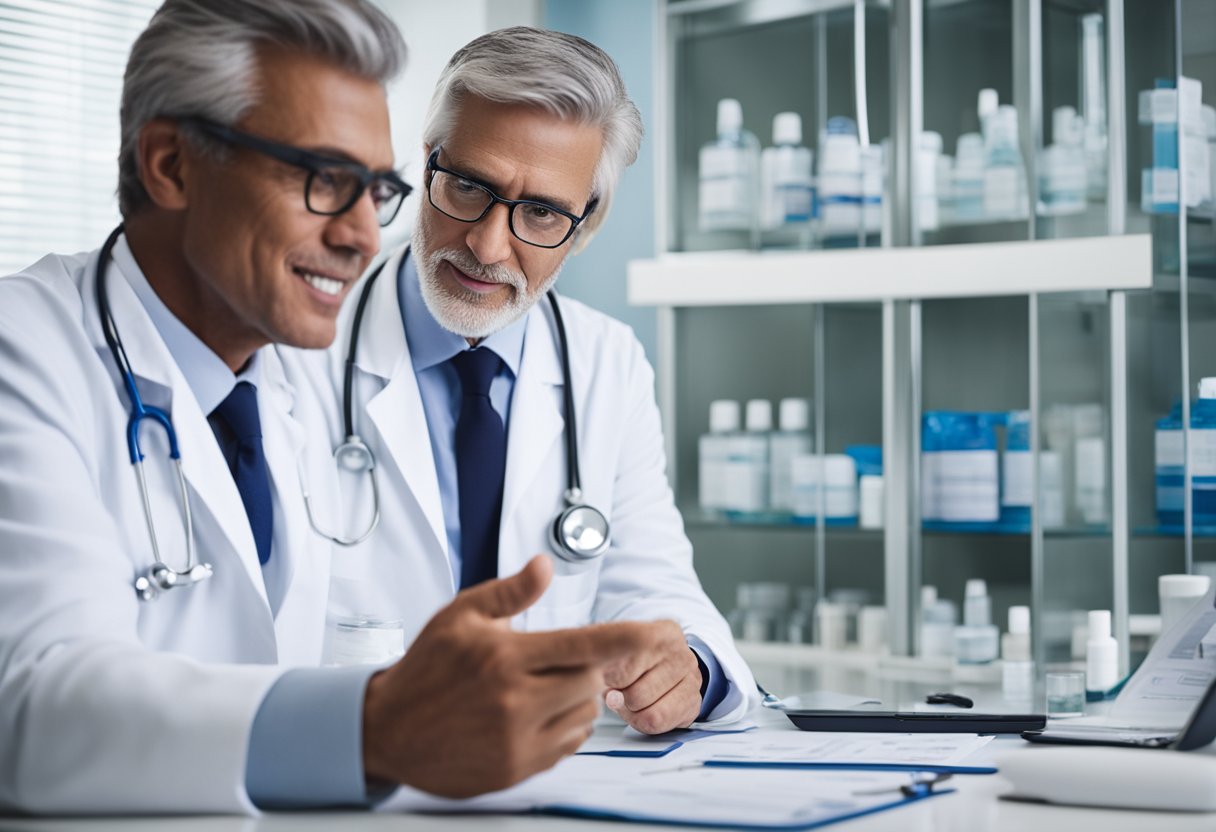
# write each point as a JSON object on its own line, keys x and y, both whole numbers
{"x": 829, "y": 778}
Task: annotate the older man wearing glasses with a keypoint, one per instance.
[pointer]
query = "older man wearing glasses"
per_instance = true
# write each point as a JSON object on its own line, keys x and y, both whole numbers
{"x": 506, "y": 426}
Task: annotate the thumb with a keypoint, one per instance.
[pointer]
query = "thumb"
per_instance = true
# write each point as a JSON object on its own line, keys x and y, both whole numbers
{"x": 505, "y": 597}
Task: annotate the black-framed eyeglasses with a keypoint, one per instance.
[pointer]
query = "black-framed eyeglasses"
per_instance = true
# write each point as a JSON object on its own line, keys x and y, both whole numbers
{"x": 333, "y": 185}
{"x": 535, "y": 223}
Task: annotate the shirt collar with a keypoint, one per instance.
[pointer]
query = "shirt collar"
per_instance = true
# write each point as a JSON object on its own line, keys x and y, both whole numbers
{"x": 208, "y": 376}
{"x": 430, "y": 344}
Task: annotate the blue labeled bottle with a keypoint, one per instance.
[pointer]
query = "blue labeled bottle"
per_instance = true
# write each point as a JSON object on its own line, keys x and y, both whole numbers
{"x": 1170, "y": 470}
{"x": 1202, "y": 458}
{"x": 1017, "y": 473}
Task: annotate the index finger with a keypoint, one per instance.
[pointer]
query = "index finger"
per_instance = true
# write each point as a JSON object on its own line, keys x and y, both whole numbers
{"x": 596, "y": 644}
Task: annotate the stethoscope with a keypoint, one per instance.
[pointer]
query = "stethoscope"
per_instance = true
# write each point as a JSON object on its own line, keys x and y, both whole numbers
{"x": 579, "y": 532}
{"x": 160, "y": 576}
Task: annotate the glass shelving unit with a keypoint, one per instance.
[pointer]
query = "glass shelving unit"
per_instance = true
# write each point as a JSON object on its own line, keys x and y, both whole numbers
{"x": 1096, "y": 319}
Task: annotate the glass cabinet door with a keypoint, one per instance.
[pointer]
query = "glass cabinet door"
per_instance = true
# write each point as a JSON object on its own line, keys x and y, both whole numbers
{"x": 974, "y": 535}
{"x": 1197, "y": 270}
{"x": 1074, "y": 506}
{"x": 1069, "y": 178}
{"x": 1171, "y": 69}
{"x": 970, "y": 159}
{"x": 778, "y": 533}
{"x": 795, "y": 58}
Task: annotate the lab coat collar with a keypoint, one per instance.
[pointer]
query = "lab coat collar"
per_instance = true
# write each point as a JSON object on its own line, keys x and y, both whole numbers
{"x": 396, "y": 408}
{"x": 536, "y": 415}
{"x": 382, "y": 349}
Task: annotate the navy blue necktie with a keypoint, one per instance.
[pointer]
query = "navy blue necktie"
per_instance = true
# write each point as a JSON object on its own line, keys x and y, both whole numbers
{"x": 481, "y": 458}
{"x": 242, "y": 444}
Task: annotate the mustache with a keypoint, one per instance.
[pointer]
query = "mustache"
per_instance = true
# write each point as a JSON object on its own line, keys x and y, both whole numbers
{"x": 470, "y": 265}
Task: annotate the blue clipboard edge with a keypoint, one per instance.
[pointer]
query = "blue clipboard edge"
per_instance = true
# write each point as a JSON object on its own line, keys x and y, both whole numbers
{"x": 910, "y": 767}
{"x": 575, "y": 811}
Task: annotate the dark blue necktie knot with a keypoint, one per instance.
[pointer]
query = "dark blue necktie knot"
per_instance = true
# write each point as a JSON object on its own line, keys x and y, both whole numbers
{"x": 481, "y": 455}
{"x": 241, "y": 438}
{"x": 240, "y": 412}
{"x": 476, "y": 368}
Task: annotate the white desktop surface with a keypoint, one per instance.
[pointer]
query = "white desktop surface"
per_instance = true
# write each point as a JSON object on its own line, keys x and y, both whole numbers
{"x": 975, "y": 806}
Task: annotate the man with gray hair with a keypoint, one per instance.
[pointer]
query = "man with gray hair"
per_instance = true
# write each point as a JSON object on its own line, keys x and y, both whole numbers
{"x": 507, "y": 421}
{"x": 160, "y": 628}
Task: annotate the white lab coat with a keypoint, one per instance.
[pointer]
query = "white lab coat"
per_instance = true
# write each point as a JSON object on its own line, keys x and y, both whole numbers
{"x": 403, "y": 571}
{"x": 107, "y": 703}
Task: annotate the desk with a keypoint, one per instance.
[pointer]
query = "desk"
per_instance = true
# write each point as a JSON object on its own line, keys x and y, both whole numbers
{"x": 975, "y": 807}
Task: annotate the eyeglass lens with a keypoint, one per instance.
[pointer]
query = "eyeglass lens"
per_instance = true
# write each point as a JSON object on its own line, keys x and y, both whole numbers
{"x": 332, "y": 190}
{"x": 532, "y": 222}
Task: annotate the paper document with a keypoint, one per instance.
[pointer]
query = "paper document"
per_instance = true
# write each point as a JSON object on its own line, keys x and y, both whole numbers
{"x": 859, "y": 748}
{"x": 628, "y": 742}
{"x": 659, "y": 792}
{"x": 1178, "y": 670}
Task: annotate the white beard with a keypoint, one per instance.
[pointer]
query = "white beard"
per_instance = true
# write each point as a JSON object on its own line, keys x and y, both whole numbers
{"x": 460, "y": 310}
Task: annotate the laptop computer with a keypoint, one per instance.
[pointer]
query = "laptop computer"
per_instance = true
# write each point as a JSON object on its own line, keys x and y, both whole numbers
{"x": 1199, "y": 731}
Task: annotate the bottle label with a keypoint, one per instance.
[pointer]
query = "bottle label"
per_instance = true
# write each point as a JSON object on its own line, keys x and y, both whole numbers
{"x": 1169, "y": 451}
{"x": 961, "y": 486}
{"x": 1203, "y": 452}
{"x": 1017, "y": 488}
{"x": 794, "y": 200}
{"x": 1159, "y": 190}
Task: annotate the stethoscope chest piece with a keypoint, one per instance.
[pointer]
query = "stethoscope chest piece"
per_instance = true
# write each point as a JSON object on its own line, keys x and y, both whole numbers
{"x": 354, "y": 456}
{"x": 579, "y": 532}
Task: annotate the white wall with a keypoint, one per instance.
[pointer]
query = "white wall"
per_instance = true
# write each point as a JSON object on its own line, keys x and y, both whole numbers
{"x": 433, "y": 32}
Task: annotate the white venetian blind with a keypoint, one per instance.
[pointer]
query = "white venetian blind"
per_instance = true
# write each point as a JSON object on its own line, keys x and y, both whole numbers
{"x": 61, "y": 66}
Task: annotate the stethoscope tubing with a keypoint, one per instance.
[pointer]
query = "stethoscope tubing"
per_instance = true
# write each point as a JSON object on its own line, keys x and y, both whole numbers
{"x": 572, "y": 497}
{"x": 160, "y": 576}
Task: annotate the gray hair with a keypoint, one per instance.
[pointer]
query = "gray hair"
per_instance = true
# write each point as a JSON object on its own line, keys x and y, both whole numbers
{"x": 198, "y": 58}
{"x": 563, "y": 74}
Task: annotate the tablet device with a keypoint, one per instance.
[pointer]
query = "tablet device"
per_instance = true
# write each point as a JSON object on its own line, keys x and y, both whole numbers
{"x": 1199, "y": 731}
{"x": 918, "y": 722}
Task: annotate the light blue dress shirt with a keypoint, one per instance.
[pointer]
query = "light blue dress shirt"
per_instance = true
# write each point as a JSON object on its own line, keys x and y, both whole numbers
{"x": 431, "y": 349}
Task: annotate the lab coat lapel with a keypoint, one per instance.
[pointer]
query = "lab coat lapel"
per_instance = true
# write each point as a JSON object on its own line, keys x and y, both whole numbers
{"x": 283, "y": 445}
{"x": 203, "y": 463}
{"x": 396, "y": 410}
{"x": 536, "y": 423}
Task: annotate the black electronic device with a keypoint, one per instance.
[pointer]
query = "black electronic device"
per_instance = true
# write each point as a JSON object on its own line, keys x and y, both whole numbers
{"x": 919, "y": 722}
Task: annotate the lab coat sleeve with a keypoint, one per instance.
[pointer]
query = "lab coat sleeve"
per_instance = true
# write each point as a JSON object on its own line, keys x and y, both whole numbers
{"x": 648, "y": 572}
{"x": 91, "y": 721}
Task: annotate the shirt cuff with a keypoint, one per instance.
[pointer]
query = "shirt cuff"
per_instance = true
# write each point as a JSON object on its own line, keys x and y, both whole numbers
{"x": 306, "y": 744}
{"x": 714, "y": 684}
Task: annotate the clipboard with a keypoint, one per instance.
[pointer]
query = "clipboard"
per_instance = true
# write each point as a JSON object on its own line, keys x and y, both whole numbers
{"x": 584, "y": 813}
{"x": 646, "y": 791}
{"x": 926, "y": 768}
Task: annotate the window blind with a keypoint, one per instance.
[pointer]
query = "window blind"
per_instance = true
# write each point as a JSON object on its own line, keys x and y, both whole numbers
{"x": 61, "y": 66}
